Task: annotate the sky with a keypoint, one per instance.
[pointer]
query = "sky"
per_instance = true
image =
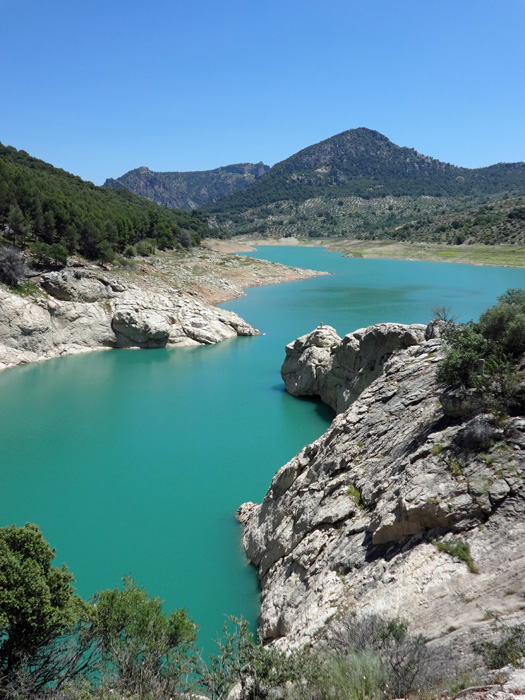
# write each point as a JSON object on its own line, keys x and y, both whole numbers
{"x": 99, "y": 87}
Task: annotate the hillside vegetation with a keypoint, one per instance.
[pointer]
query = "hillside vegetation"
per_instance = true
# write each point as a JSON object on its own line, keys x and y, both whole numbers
{"x": 48, "y": 206}
{"x": 359, "y": 184}
{"x": 192, "y": 189}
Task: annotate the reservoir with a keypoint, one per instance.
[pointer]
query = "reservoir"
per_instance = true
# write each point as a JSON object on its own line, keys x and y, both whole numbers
{"x": 134, "y": 462}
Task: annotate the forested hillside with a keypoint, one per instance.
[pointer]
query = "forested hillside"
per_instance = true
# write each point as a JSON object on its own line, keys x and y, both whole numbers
{"x": 42, "y": 204}
{"x": 360, "y": 184}
{"x": 364, "y": 163}
{"x": 189, "y": 190}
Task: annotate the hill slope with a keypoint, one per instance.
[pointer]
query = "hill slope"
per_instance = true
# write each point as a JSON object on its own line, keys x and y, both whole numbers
{"x": 359, "y": 182}
{"x": 39, "y": 202}
{"x": 189, "y": 190}
{"x": 365, "y": 163}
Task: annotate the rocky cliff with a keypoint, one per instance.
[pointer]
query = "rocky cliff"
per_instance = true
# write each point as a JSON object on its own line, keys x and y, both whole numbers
{"x": 369, "y": 516}
{"x": 189, "y": 190}
{"x": 84, "y": 310}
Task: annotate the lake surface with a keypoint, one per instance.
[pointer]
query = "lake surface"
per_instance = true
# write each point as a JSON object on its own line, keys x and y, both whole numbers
{"x": 135, "y": 461}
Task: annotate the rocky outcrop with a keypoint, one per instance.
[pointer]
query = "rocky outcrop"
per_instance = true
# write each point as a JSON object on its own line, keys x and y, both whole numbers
{"x": 355, "y": 518}
{"x": 321, "y": 364}
{"x": 79, "y": 285}
{"x": 84, "y": 310}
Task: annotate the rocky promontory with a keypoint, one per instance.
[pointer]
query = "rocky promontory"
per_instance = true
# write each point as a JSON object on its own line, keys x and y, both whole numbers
{"x": 84, "y": 310}
{"x": 398, "y": 509}
{"x": 164, "y": 300}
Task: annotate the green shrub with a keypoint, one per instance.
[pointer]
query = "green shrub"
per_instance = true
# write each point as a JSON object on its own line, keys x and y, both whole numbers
{"x": 256, "y": 672}
{"x": 146, "y": 247}
{"x": 466, "y": 347}
{"x": 460, "y": 550}
{"x": 142, "y": 650}
{"x": 355, "y": 676}
{"x": 406, "y": 663}
{"x": 507, "y": 649}
{"x": 504, "y": 327}
{"x": 482, "y": 356}
{"x": 40, "y": 615}
{"x": 49, "y": 255}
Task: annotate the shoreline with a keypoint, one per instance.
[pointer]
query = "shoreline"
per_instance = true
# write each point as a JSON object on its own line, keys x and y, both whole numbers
{"x": 477, "y": 254}
{"x": 168, "y": 300}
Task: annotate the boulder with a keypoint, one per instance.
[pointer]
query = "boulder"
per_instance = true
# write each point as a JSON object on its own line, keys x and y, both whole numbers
{"x": 76, "y": 285}
{"x": 458, "y": 401}
{"x": 478, "y": 434}
{"x": 140, "y": 327}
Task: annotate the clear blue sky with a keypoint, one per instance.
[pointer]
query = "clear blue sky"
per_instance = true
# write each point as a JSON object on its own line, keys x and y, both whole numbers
{"x": 99, "y": 87}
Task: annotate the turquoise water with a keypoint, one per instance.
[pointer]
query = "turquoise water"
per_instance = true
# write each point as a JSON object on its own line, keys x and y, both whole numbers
{"x": 135, "y": 461}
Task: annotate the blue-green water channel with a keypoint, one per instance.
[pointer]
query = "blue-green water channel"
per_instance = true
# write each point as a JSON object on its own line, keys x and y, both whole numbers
{"x": 135, "y": 461}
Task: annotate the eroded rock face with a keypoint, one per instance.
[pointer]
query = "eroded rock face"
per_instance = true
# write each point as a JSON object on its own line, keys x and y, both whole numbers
{"x": 321, "y": 364}
{"x": 76, "y": 285}
{"x": 351, "y": 520}
{"x": 88, "y": 312}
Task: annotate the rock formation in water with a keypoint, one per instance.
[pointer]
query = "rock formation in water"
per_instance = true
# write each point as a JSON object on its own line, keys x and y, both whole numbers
{"x": 368, "y": 517}
{"x": 321, "y": 364}
{"x": 86, "y": 310}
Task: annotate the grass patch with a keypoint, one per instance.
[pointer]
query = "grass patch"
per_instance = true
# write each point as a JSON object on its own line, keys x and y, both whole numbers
{"x": 458, "y": 550}
{"x": 355, "y": 495}
{"x": 454, "y": 466}
{"x": 26, "y": 288}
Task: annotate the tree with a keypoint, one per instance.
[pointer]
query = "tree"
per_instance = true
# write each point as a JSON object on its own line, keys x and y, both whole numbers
{"x": 142, "y": 650}
{"x": 16, "y": 223}
{"x": 49, "y": 255}
{"x": 13, "y": 266}
{"x": 39, "y": 612}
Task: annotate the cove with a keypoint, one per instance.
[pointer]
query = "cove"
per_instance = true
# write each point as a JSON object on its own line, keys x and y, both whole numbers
{"x": 135, "y": 461}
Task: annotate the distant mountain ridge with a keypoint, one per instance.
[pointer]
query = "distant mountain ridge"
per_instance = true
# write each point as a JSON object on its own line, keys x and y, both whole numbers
{"x": 359, "y": 184}
{"x": 364, "y": 163}
{"x": 355, "y": 184}
{"x": 189, "y": 190}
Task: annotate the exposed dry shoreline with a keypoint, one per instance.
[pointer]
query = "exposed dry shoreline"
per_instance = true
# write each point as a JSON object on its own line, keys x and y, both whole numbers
{"x": 161, "y": 301}
{"x": 501, "y": 256}
{"x": 213, "y": 274}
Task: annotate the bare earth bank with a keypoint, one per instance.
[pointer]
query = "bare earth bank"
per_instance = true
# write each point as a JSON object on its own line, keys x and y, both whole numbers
{"x": 504, "y": 256}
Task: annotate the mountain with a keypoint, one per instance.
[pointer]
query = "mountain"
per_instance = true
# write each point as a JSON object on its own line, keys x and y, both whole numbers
{"x": 365, "y": 163}
{"x": 192, "y": 189}
{"x": 43, "y": 204}
{"x": 360, "y": 183}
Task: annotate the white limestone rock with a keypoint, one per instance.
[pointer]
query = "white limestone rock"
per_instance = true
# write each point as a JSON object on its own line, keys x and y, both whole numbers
{"x": 321, "y": 364}
{"x": 88, "y": 312}
{"x": 350, "y": 521}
